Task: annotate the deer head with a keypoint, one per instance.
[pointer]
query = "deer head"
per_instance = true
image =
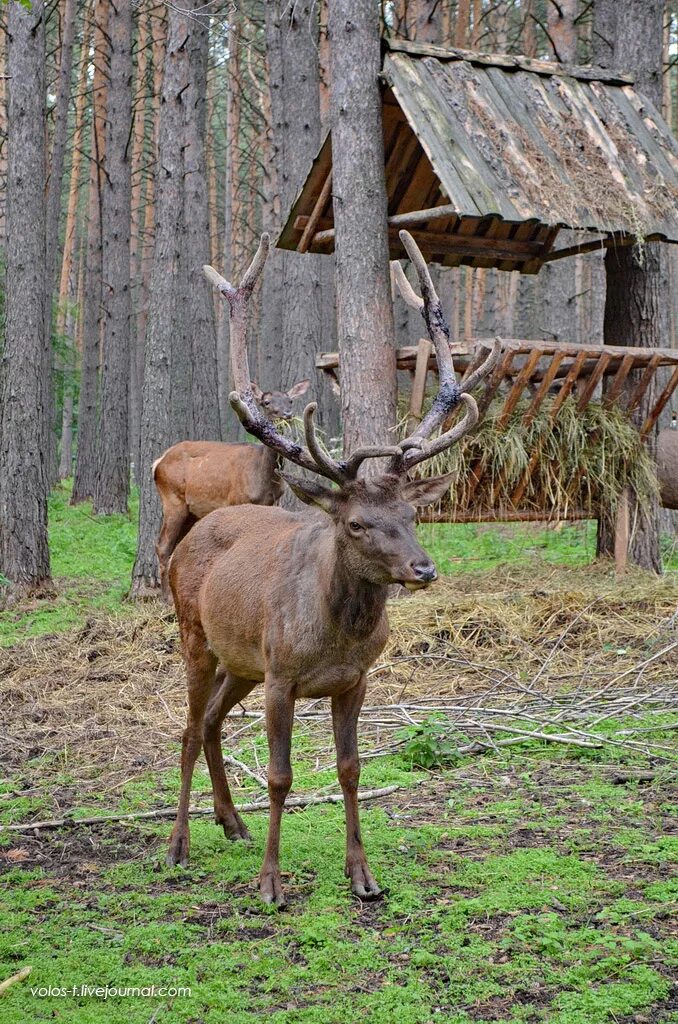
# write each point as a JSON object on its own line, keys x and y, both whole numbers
{"x": 373, "y": 519}
{"x": 279, "y": 405}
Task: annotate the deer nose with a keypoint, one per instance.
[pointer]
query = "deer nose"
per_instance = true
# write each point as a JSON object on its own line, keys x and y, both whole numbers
{"x": 425, "y": 571}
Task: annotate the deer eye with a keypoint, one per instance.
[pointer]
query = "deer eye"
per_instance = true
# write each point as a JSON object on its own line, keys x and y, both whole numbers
{"x": 354, "y": 526}
{"x": 267, "y": 401}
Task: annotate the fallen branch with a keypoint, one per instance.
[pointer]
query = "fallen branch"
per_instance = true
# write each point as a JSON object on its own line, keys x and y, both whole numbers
{"x": 170, "y": 812}
{"x": 19, "y": 976}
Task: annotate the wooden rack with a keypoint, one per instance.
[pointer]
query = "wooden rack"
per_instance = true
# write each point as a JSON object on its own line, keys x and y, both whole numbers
{"x": 534, "y": 370}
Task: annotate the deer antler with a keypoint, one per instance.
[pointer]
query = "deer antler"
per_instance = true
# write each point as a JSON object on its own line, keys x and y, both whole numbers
{"x": 416, "y": 448}
{"x": 242, "y": 398}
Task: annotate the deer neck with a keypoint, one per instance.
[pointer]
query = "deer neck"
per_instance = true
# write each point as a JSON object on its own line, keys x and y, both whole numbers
{"x": 356, "y": 606}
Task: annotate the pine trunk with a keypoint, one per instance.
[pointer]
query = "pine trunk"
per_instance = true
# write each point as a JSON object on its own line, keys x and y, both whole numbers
{"x": 24, "y": 554}
{"x": 111, "y": 486}
{"x": 156, "y": 413}
{"x": 85, "y": 460}
{"x": 364, "y": 306}
{"x": 196, "y": 249}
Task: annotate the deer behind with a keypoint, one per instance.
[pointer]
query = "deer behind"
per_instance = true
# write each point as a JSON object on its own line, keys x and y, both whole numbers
{"x": 297, "y": 601}
{"x": 194, "y": 478}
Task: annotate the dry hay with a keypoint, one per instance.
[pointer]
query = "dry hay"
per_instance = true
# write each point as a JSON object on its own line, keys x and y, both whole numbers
{"x": 585, "y": 458}
{"x": 107, "y": 702}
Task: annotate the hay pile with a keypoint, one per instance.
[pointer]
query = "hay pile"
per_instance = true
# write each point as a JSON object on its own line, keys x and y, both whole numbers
{"x": 107, "y": 702}
{"x": 584, "y": 461}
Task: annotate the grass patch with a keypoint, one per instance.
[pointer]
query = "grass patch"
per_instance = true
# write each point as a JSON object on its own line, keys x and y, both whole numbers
{"x": 480, "y": 924}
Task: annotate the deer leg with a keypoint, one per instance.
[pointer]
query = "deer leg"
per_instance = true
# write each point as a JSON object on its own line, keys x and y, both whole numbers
{"x": 279, "y": 719}
{"x": 200, "y": 669}
{"x": 345, "y": 710}
{"x": 176, "y": 522}
{"x": 229, "y": 690}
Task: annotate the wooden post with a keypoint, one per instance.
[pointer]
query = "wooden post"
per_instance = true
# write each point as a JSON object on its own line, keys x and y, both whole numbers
{"x": 621, "y": 534}
{"x": 424, "y": 349}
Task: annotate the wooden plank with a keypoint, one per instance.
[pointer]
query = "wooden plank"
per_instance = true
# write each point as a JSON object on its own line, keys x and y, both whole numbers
{"x": 592, "y": 382}
{"x": 644, "y": 382}
{"x": 543, "y": 388}
{"x": 312, "y": 224}
{"x": 567, "y": 386}
{"x": 659, "y": 404}
{"x": 439, "y": 242}
{"x": 517, "y": 389}
{"x": 504, "y": 515}
{"x": 424, "y": 350}
{"x": 585, "y": 72}
{"x": 622, "y": 373}
{"x": 621, "y": 534}
{"x": 668, "y": 356}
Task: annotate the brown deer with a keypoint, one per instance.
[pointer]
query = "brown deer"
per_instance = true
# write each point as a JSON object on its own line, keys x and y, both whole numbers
{"x": 296, "y": 601}
{"x": 194, "y": 478}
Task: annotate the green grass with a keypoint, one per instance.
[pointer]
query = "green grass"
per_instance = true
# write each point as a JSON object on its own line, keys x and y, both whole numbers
{"x": 559, "y": 914}
{"x": 92, "y": 559}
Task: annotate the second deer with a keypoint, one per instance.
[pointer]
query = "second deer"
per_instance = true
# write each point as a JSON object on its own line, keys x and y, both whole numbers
{"x": 193, "y": 478}
{"x": 297, "y": 601}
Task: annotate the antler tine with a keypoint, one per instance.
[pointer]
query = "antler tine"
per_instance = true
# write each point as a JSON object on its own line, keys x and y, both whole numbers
{"x": 439, "y": 332}
{"x": 356, "y": 460}
{"x": 488, "y": 364}
{"x": 242, "y": 398}
{"x": 325, "y": 463}
{"x": 405, "y": 288}
{"x": 413, "y": 456}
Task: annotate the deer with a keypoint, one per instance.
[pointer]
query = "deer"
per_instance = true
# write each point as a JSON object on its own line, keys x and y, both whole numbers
{"x": 193, "y": 478}
{"x": 296, "y": 601}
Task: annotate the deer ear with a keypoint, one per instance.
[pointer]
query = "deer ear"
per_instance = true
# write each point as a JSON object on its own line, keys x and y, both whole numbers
{"x": 426, "y": 491}
{"x": 299, "y": 389}
{"x": 311, "y": 492}
{"x": 256, "y": 391}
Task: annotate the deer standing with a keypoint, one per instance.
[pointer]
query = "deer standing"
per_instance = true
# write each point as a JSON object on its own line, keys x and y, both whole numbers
{"x": 193, "y": 478}
{"x": 297, "y": 601}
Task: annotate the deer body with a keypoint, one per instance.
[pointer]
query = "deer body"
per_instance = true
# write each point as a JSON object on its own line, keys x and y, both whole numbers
{"x": 193, "y": 478}
{"x": 297, "y": 601}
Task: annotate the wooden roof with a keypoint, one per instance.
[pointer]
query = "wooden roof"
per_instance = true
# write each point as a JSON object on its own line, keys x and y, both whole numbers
{"x": 487, "y": 157}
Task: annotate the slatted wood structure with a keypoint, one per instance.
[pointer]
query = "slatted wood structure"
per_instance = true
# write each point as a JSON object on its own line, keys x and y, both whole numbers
{"x": 488, "y": 157}
{"x": 533, "y": 371}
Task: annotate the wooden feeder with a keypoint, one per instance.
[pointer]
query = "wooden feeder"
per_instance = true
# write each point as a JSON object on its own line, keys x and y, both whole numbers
{"x": 487, "y": 158}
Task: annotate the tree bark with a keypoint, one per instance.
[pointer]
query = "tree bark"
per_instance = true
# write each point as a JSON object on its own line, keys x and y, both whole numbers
{"x": 199, "y": 302}
{"x": 54, "y": 193}
{"x": 85, "y": 460}
{"x": 364, "y": 305}
{"x": 24, "y": 554}
{"x": 636, "y": 299}
{"x": 156, "y": 417}
{"x": 111, "y": 486}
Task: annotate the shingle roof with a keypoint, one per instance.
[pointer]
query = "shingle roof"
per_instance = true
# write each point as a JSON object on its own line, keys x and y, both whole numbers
{"x": 517, "y": 149}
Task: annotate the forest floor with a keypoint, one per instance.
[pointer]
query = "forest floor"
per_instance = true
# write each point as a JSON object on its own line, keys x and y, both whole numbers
{"x": 528, "y": 880}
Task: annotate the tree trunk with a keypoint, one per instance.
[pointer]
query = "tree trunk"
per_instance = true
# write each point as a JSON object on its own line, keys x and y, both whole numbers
{"x": 156, "y": 419}
{"x": 364, "y": 306}
{"x": 85, "y": 461}
{"x": 111, "y": 486}
{"x": 54, "y": 193}
{"x": 24, "y": 554}
{"x": 636, "y": 300}
{"x": 562, "y": 28}
{"x": 196, "y": 249}
{"x": 139, "y": 178}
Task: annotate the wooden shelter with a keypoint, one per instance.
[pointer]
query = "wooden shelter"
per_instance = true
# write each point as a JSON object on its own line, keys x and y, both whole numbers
{"x": 488, "y": 157}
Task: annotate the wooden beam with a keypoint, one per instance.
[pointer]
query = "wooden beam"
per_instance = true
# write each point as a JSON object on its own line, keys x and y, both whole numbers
{"x": 609, "y": 242}
{"x": 312, "y": 221}
{"x": 621, "y": 534}
{"x": 440, "y": 242}
{"x": 424, "y": 349}
{"x": 659, "y": 404}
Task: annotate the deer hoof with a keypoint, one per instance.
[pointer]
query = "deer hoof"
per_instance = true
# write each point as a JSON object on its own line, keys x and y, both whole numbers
{"x": 178, "y": 850}
{"x": 234, "y": 828}
{"x": 271, "y": 890}
{"x": 363, "y": 884}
